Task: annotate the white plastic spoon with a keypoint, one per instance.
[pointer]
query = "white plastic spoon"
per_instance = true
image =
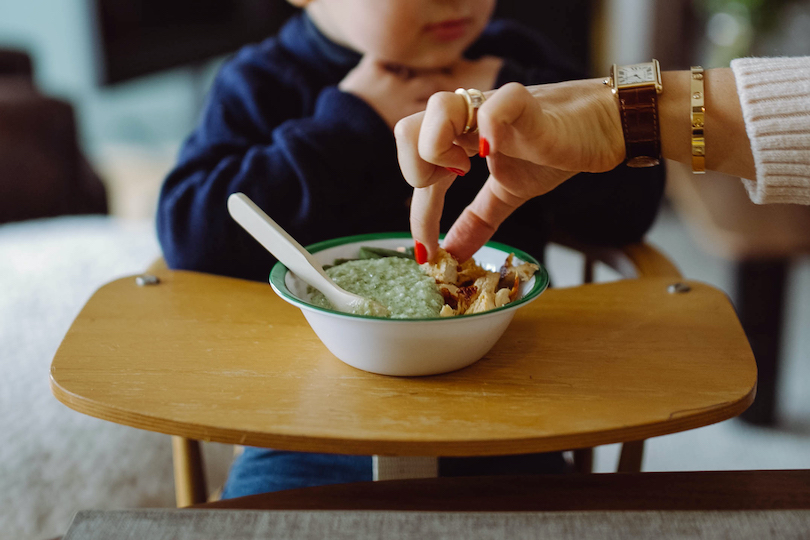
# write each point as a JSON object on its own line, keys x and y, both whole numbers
{"x": 300, "y": 261}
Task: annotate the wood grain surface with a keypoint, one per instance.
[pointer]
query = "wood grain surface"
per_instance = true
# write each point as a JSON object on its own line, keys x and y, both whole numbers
{"x": 221, "y": 359}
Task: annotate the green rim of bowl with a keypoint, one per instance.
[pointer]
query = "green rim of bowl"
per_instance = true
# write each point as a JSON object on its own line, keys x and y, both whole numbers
{"x": 279, "y": 271}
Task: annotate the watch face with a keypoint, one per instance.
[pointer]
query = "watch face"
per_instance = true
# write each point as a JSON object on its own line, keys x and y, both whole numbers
{"x": 635, "y": 74}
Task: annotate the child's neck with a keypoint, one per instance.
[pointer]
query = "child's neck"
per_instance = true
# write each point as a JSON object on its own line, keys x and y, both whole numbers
{"x": 406, "y": 72}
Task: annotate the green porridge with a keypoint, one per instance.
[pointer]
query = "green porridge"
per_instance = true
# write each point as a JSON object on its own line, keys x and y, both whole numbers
{"x": 397, "y": 283}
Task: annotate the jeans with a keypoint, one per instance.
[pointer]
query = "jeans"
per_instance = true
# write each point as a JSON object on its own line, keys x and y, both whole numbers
{"x": 261, "y": 470}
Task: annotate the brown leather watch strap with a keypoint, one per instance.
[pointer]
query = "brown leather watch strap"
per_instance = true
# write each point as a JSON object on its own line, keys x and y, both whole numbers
{"x": 642, "y": 139}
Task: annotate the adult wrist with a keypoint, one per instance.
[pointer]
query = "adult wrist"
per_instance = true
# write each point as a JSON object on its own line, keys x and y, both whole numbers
{"x": 613, "y": 125}
{"x": 676, "y": 123}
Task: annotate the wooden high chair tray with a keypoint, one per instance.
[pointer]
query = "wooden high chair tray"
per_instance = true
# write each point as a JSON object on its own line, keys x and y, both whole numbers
{"x": 220, "y": 359}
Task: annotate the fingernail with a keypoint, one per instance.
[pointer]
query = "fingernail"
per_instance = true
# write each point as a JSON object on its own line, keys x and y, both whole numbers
{"x": 419, "y": 252}
{"x": 483, "y": 147}
{"x": 456, "y": 171}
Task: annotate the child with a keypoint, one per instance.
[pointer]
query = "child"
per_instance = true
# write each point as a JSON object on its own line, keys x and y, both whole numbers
{"x": 302, "y": 123}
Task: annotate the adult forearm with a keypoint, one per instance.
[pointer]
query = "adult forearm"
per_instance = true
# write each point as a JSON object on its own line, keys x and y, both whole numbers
{"x": 728, "y": 149}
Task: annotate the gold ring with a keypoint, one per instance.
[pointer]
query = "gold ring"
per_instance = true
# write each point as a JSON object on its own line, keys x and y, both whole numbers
{"x": 474, "y": 99}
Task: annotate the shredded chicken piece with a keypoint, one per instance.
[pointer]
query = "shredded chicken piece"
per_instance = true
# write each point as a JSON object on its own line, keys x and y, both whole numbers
{"x": 484, "y": 302}
{"x": 468, "y": 288}
{"x": 444, "y": 270}
{"x": 503, "y": 297}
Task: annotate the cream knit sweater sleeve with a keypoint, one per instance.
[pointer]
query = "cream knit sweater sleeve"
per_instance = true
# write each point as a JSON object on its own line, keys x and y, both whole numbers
{"x": 775, "y": 99}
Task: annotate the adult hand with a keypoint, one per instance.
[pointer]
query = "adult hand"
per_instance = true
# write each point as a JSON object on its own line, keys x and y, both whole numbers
{"x": 511, "y": 183}
{"x": 534, "y": 139}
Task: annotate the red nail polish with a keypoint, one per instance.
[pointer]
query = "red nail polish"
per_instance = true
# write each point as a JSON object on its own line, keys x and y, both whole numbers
{"x": 456, "y": 171}
{"x": 483, "y": 147}
{"x": 419, "y": 252}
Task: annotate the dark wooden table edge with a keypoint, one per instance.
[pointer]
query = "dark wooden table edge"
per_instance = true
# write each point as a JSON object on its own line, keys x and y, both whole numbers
{"x": 695, "y": 490}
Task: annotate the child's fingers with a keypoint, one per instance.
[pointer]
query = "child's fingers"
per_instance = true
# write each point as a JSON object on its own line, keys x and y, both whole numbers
{"x": 426, "y": 212}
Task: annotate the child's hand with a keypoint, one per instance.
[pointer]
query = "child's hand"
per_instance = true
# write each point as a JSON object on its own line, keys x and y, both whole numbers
{"x": 387, "y": 91}
{"x": 397, "y": 91}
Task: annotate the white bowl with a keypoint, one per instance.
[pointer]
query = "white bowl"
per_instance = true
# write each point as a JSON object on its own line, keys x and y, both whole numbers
{"x": 405, "y": 347}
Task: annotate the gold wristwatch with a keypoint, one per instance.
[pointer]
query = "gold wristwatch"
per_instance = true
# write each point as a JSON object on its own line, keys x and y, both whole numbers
{"x": 637, "y": 87}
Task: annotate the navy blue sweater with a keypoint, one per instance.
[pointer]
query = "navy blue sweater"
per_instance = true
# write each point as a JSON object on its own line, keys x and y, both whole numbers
{"x": 323, "y": 164}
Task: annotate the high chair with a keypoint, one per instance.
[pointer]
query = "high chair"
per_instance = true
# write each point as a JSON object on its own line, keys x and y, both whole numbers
{"x": 601, "y": 363}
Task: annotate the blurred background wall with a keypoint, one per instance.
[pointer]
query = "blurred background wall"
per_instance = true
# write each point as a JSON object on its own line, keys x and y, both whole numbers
{"x": 150, "y": 111}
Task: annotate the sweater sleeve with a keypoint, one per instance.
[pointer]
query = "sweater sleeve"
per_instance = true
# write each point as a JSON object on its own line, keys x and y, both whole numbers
{"x": 296, "y": 170}
{"x": 775, "y": 100}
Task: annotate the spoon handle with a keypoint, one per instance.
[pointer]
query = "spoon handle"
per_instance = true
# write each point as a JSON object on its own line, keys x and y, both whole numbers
{"x": 277, "y": 241}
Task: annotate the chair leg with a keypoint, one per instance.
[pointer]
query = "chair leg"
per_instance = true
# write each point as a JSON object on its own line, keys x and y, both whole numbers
{"x": 583, "y": 460}
{"x": 189, "y": 478}
{"x": 404, "y": 467}
{"x": 588, "y": 269}
{"x": 631, "y": 456}
{"x": 761, "y": 288}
